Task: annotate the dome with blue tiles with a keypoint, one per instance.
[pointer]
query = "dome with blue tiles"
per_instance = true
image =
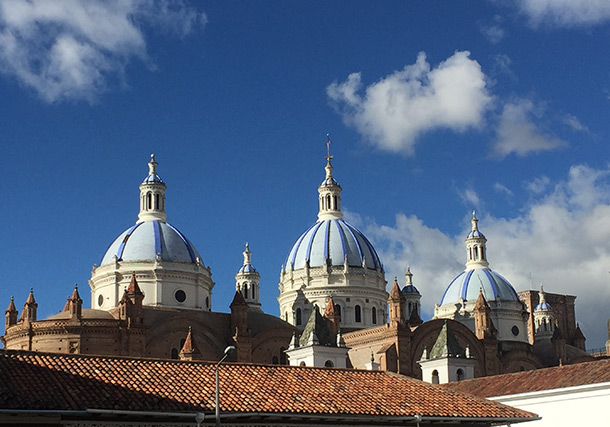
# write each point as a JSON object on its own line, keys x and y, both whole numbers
{"x": 152, "y": 237}
{"x": 147, "y": 240}
{"x": 467, "y": 284}
{"x": 478, "y": 275}
{"x": 335, "y": 242}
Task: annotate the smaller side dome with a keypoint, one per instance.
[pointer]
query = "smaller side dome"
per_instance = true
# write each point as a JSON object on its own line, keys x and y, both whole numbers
{"x": 467, "y": 284}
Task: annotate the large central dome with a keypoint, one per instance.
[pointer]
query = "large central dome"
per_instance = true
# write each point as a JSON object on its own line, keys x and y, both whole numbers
{"x": 333, "y": 259}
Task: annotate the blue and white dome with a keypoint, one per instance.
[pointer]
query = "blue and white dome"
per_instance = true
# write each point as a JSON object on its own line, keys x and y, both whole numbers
{"x": 145, "y": 240}
{"x": 467, "y": 284}
{"x": 334, "y": 240}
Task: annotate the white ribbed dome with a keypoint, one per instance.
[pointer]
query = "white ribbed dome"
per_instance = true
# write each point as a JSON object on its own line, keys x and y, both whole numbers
{"x": 336, "y": 241}
{"x": 467, "y": 284}
{"x": 145, "y": 240}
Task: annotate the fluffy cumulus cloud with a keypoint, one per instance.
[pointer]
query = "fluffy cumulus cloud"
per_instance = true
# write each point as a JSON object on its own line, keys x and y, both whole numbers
{"x": 71, "y": 49}
{"x": 392, "y": 112}
{"x": 560, "y": 240}
{"x": 566, "y": 13}
{"x": 517, "y": 132}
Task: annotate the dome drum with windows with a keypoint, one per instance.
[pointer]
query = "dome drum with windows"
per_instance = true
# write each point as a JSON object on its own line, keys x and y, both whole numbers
{"x": 332, "y": 258}
{"x": 167, "y": 265}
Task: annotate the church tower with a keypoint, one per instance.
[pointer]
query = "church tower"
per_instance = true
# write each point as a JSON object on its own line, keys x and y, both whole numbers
{"x": 247, "y": 281}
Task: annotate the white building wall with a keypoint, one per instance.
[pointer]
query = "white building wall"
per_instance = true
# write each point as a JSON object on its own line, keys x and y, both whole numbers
{"x": 585, "y": 406}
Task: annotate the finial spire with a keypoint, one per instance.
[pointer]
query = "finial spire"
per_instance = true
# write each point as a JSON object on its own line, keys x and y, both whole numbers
{"x": 152, "y": 165}
{"x": 329, "y": 191}
{"x": 475, "y": 221}
{"x": 247, "y": 255}
{"x": 409, "y": 276}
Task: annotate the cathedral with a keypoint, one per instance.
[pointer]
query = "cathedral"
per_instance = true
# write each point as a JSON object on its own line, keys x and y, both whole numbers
{"x": 151, "y": 296}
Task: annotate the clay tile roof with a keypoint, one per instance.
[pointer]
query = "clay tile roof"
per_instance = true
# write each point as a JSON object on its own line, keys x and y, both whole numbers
{"x": 134, "y": 288}
{"x": 62, "y": 382}
{"x": 395, "y": 292}
{"x": 238, "y": 299}
{"x": 538, "y": 380}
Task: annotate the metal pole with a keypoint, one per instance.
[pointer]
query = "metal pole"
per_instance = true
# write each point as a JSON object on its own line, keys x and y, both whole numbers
{"x": 228, "y": 350}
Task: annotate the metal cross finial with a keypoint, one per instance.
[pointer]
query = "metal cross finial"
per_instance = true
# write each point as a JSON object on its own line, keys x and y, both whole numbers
{"x": 328, "y": 156}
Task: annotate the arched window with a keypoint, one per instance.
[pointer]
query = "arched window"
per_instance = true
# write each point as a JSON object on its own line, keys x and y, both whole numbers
{"x": 476, "y": 253}
{"x": 245, "y": 291}
{"x": 148, "y": 200}
{"x": 302, "y": 364}
{"x": 298, "y": 315}
{"x": 174, "y": 353}
{"x": 358, "y": 314}
{"x": 157, "y": 201}
{"x": 338, "y": 310}
{"x": 328, "y": 201}
{"x": 207, "y": 302}
{"x": 544, "y": 324}
{"x": 435, "y": 379}
{"x": 336, "y": 204}
{"x": 253, "y": 296}
{"x": 329, "y": 364}
{"x": 460, "y": 374}
{"x": 282, "y": 356}
{"x": 274, "y": 360}
{"x": 374, "y": 315}
{"x": 286, "y": 317}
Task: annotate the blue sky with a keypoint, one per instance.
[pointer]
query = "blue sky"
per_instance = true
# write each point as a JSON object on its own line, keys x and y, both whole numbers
{"x": 434, "y": 108}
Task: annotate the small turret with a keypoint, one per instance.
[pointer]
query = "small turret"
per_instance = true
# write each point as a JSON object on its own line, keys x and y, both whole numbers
{"x": 247, "y": 281}
{"x": 29, "y": 308}
{"x": 483, "y": 325}
{"x": 10, "y": 315}
{"x": 412, "y": 299}
{"x": 189, "y": 350}
{"x": 396, "y": 302}
{"x": 76, "y": 305}
{"x": 544, "y": 318}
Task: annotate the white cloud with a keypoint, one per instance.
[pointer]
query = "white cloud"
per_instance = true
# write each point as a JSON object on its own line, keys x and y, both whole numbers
{"x": 561, "y": 240}
{"x": 517, "y": 133}
{"x": 470, "y": 197}
{"x": 566, "y": 13}
{"x": 70, "y": 49}
{"x": 393, "y": 112}
{"x": 501, "y": 188}
{"x": 493, "y": 33}
{"x": 538, "y": 185}
{"x": 574, "y": 123}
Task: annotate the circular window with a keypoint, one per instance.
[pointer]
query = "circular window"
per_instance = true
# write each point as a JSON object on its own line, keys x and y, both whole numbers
{"x": 515, "y": 330}
{"x": 180, "y": 295}
{"x": 100, "y": 300}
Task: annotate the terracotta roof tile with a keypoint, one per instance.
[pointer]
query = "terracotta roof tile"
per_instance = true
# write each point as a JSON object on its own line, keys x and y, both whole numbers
{"x": 537, "y": 380}
{"x": 42, "y": 381}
